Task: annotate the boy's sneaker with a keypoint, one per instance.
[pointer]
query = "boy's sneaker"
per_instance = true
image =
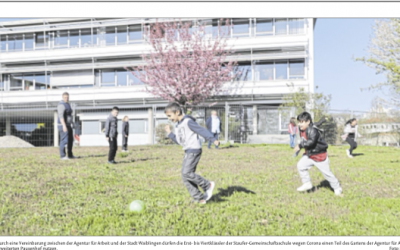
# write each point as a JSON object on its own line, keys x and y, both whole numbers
{"x": 348, "y": 153}
{"x": 338, "y": 191}
{"x": 208, "y": 193}
{"x": 111, "y": 162}
{"x": 64, "y": 158}
{"x": 202, "y": 202}
{"x": 306, "y": 186}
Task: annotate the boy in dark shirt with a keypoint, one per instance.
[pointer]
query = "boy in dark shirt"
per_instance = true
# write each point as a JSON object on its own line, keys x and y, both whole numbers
{"x": 315, "y": 154}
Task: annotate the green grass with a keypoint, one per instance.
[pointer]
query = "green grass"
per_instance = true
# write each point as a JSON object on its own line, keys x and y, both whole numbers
{"x": 255, "y": 193}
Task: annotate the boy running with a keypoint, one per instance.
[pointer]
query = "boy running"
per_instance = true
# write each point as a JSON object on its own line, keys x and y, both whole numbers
{"x": 315, "y": 155}
{"x": 188, "y": 132}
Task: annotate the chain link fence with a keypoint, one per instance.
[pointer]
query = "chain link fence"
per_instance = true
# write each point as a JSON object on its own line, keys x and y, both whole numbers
{"x": 240, "y": 123}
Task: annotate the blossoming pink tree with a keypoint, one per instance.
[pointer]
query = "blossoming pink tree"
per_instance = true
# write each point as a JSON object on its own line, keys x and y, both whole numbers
{"x": 186, "y": 64}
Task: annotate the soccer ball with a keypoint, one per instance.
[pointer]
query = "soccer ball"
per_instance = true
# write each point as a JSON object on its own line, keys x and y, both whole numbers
{"x": 136, "y": 206}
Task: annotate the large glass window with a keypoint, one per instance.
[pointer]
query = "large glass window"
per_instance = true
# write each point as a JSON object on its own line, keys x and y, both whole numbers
{"x": 244, "y": 71}
{"x": 61, "y": 39}
{"x": 264, "y": 70}
{"x": 90, "y": 127}
{"x": 28, "y": 42}
{"x": 133, "y": 80}
{"x": 41, "y": 41}
{"x": 29, "y": 82}
{"x": 281, "y": 26}
{"x": 121, "y": 78}
{"x": 15, "y": 42}
{"x": 86, "y": 38}
{"x": 3, "y": 43}
{"x": 16, "y": 82}
{"x": 107, "y": 78}
{"x": 281, "y": 70}
{"x": 296, "y": 25}
{"x": 110, "y": 36}
{"x": 122, "y": 34}
{"x": 240, "y": 27}
{"x": 264, "y": 27}
{"x": 138, "y": 126}
{"x": 296, "y": 69}
{"x": 42, "y": 82}
{"x": 135, "y": 33}
{"x": 74, "y": 39}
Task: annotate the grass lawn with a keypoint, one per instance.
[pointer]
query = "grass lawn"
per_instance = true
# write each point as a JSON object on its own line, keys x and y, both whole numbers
{"x": 255, "y": 193}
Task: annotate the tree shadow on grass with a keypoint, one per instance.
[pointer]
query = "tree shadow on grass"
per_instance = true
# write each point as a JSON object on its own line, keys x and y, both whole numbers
{"x": 136, "y": 160}
{"x": 219, "y": 197}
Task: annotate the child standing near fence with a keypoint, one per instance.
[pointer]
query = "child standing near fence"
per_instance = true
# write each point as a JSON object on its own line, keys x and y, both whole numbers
{"x": 351, "y": 133}
{"x": 292, "y": 130}
{"x": 111, "y": 132}
{"x": 315, "y": 154}
{"x": 187, "y": 135}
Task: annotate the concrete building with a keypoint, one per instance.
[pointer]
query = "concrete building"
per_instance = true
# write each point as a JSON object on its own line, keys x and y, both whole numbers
{"x": 42, "y": 58}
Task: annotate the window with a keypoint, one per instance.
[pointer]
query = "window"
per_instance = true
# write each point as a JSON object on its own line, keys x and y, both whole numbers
{"x": 122, "y": 35}
{"x": 41, "y": 41}
{"x": 29, "y": 40}
{"x": 42, "y": 81}
{"x": 240, "y": 27}
{"x": 133, "y": 80}
{"x": 244, "y": 71}
{"x": 121, "y": 78}
{"x": 15, "y": 42}
{"x": 296, "y": 69}
{"x": 2, "y": 83}
{"x": 90, "y": 127}
{"x": 264, "y": 27}
{"x": 281, "y": 70}
{"x": 16, "y": 82}
{"x": 135, "y": 33}
{"x": 107, "y": 78}
{"x": 61, "y": 39}
{"x": 3, "y": 43}
{"x": 74, "y": 39}
{"x": 296, "y": 25}
{"x": 138, "y": 126}
{"x": 29, "y": 83}
{"x": 110, "y": 36}
{"x": 86, "y": 38}
{"x": 264, "y": 70}
{"x": 280, "y": 26}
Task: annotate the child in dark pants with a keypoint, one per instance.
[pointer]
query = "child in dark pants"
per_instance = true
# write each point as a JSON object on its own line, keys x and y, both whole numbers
{"x": 351, "y": 133}
{"x": 111, "y": 132}
{"x": 187, "y": 135}
{"x": 315, "y": 155}
{"x": 125, "y": 133}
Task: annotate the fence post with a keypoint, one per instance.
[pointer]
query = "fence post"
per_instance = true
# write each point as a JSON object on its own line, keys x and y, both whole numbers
{"x": 151, "y": 124}
{"x": 226, "y": 121}
{"x": 55, "y": 127}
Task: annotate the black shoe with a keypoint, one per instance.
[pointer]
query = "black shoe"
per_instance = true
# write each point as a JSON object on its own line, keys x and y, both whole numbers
{"x": 114, "y": 162}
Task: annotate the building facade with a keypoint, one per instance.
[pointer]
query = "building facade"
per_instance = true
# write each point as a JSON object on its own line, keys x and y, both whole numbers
{"x": 42, "y": 58}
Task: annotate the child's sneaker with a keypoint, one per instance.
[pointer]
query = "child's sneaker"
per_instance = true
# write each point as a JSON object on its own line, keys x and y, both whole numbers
{"x": 208, "y": 193}
{"x": 348, "y": 153}
{"x": 202, "y": 202}
{"x": 64, "y": 158}
{"x": 306, "y": 186}
{"x": 338, "y": 191}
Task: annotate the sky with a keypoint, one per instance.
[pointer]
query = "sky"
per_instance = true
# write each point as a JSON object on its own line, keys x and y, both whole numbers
{"x": 336, "y": 43}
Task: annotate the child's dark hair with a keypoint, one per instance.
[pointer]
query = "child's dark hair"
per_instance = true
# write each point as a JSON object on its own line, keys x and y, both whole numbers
{"x": 350, "y": 121}
{"x": 115, "y": 108}
{"x": 173, "y": 107}
{"x": 304, "y": 116}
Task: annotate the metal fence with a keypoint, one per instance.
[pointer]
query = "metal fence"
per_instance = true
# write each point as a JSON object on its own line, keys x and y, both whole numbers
{"x": 240, "y": 123}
